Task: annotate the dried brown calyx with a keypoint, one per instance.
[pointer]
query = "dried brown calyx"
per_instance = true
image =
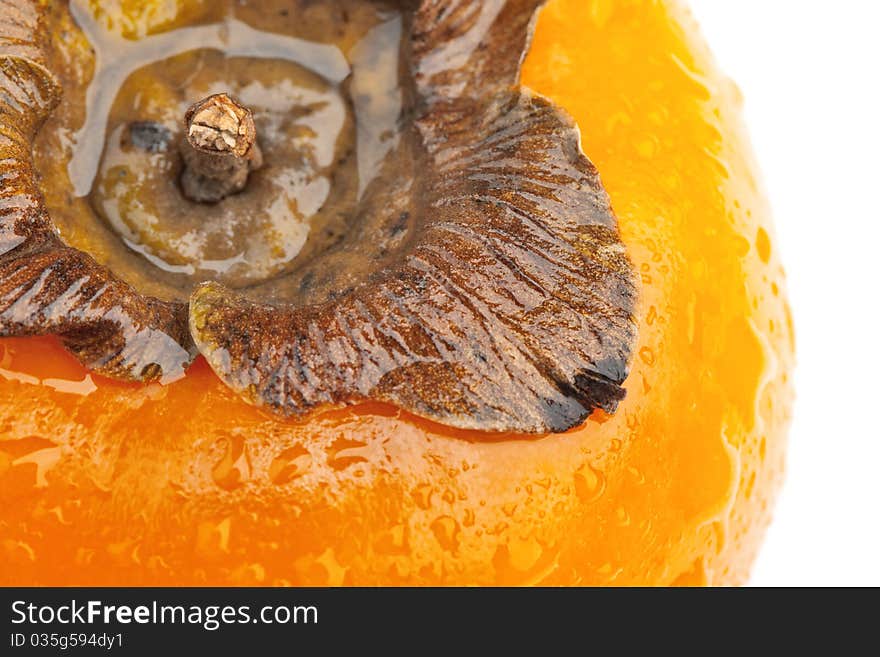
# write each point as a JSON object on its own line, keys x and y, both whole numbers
{"x": 462, "y": 263}
{"x": 220, "y": 149}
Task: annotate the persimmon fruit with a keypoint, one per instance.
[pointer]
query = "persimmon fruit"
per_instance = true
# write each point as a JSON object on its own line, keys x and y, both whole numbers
{"x": 109, "y": 483}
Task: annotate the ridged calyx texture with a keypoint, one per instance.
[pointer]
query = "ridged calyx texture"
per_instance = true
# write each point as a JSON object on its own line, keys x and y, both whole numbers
{"x": 508, "y": 307}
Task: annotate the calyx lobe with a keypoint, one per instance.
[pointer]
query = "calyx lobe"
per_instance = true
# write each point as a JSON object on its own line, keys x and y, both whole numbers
{"x": 508, "y": 309}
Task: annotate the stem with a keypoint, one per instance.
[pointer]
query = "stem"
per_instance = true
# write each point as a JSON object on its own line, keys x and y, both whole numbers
{"x": 220, "y": 149}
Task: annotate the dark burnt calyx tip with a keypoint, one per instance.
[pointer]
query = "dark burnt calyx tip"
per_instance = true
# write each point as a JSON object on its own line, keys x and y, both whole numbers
{"x": 220, "y": 149}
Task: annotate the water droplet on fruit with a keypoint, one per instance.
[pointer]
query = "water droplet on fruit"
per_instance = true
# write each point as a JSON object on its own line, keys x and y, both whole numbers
{"x": 762, "y": 244}
{"x": 233, "y": 468}
{"x": 344, "y": 452}
{"x": 289, "y": 465}
{"x": 422, "y": 496}
{"x": 394, "y": 541}
{"x": 589, "y": 483}
{"x": 524, "y": 553}
{"x": 446, "y": 531}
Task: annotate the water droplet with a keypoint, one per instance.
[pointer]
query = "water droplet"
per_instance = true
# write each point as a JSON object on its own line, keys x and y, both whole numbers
{"x": 524, "y": 553}
{"x": 394, "y": 541}
{"x": 620, "y": 118}
{"x": 637, "y": 474}
{"x": 750, "y": 486}
{"x": 446, "y": 531}
{"x": 700, "y": 83}
{"x": 290, "y": 464}
{"x": 248, "y": 575}
{"x": 43, "y": 460}
{"x": 692, "y": 318}
{"x": 335, "y": 571}
{"x": 82, "y": 388}
{"x": 212, "y": 539}
{"x": 121, "y": 552}
{"x": 422, "y": 495}
{"x": 17, "y": 552}
{"x": 56, "y": 511}
{"x": 589, "y": 483}
{"x": 233, "y": 468}
{"x": 762, "y": 243}
{"x": 343, "y": 453}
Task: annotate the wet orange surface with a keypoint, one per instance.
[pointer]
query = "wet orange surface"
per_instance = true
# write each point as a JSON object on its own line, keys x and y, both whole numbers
{"x": 109, "y": 483}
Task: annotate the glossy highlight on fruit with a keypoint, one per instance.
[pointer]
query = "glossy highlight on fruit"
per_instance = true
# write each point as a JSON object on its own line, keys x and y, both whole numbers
{"x": 103, "y": 482}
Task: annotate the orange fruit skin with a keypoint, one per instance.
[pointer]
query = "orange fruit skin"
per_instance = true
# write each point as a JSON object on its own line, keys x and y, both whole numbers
{"x": 116, "y": 484}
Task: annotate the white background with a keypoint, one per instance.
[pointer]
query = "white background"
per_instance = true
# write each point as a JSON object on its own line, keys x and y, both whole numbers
{"x": 810, "y": 73}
